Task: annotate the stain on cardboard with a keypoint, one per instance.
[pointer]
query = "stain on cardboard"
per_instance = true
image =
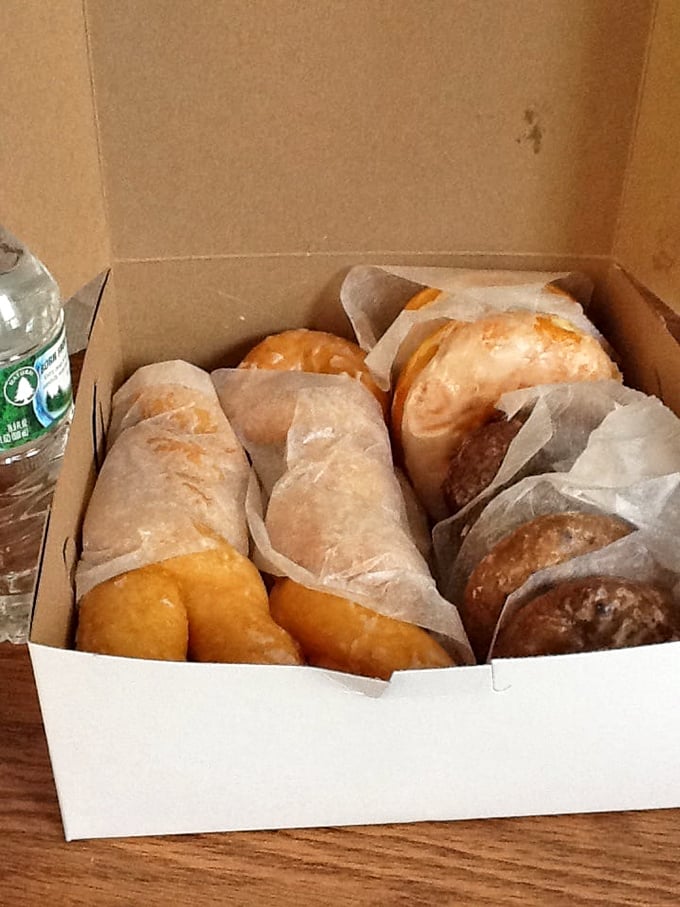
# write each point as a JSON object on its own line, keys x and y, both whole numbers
{"x": 665, "y": 257}
{"x": 534, "y": 130}
{"x": 663, "y": 260}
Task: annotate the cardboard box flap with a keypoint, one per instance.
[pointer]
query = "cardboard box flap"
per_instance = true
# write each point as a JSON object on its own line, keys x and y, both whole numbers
{"x": 49, "y": 167}
{"x": 296, "y": 127}
{"x": 648, "y": 236}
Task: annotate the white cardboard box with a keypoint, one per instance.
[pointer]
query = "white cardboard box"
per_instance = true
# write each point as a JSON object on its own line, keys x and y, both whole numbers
{"x": 150, "y": 747}
{"x": 230, "y": 161}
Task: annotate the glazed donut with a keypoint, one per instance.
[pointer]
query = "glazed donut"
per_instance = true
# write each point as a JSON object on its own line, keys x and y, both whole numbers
{"x": 314, "y": 351}
{"x": 163, "y": 572}
{"x": 137, "y": 615}
{"x": 451, "y": 384}
{"x": 586, "y": 615}
{"x": 543, "y": 542}
{"x": 428, "y": 295}
{"x": 411, "y": 371}
{"x": 341, "y": 635}
{"x": 422, "y": 299}
{"x": 207, "y": 606}
{"x": 228, "y": 610}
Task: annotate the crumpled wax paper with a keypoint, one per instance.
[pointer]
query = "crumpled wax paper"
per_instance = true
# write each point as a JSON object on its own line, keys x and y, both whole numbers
{"x": 331, "y": 514}
{"x": 630, "y": 468}
{"x": 563, "y": 419}
{"x": 174, "y": 479}
{"x": 374, "y": 299}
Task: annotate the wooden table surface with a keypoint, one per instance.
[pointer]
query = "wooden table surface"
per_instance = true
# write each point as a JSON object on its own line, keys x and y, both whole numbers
{"x": 624, "y": 858}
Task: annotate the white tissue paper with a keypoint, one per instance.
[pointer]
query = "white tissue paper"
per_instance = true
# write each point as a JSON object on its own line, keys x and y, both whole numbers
{"x": 332, "y": 514}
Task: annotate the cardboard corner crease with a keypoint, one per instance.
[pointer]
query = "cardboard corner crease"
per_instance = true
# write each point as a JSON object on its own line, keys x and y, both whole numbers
{"x": 229, "y": 174}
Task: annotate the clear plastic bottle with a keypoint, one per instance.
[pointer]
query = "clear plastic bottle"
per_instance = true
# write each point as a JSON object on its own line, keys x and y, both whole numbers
{"x": 35, "y": 412}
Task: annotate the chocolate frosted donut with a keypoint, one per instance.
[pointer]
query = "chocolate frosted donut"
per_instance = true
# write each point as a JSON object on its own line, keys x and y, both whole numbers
{"x": 543, "y": 542}
{"x": 585, "y": 615}
{"x": 475, "y": 463}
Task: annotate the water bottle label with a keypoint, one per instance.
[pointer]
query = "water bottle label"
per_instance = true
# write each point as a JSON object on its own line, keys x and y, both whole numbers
{"x": 36, "y": 394}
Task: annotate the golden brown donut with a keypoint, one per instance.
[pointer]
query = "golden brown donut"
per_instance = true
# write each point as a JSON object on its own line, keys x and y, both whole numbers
{"x": 139, "y": 614}
{"x": 174, "y": 480}
{"x": 413, "y": 368}
{"x": 317, "y": 352}
{"x": 428, "y": 295}
{"x": 212, "y": 603}
{"x": 543, "y": 542}
{"x": 558, "y": 291}
{"x": 228, "y": 610}
{"x": 423, "y": 299}
{"x": 428, "y": 348}
{"x": 452, "y": 382}
{"x": 339, "y": 634}
{"x": 586, "y": 615}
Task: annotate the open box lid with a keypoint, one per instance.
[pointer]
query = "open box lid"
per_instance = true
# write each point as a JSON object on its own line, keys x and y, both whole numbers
{"x": 648, "y": 236}
{"x": 166, "y": 131}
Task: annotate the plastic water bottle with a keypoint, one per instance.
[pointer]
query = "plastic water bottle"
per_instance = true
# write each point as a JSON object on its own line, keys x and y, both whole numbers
{"x": 35, "y": 412}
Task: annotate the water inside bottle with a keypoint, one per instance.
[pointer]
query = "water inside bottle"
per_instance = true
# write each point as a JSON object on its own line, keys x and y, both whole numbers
{"x": 35, "y": 409}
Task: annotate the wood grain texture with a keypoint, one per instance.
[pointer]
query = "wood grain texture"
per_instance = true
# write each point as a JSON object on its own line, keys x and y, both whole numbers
{"x": 617, "y": 859}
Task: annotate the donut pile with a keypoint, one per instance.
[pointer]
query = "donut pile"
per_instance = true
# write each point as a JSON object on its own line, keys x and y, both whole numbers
{"x": 351, "y": 493}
